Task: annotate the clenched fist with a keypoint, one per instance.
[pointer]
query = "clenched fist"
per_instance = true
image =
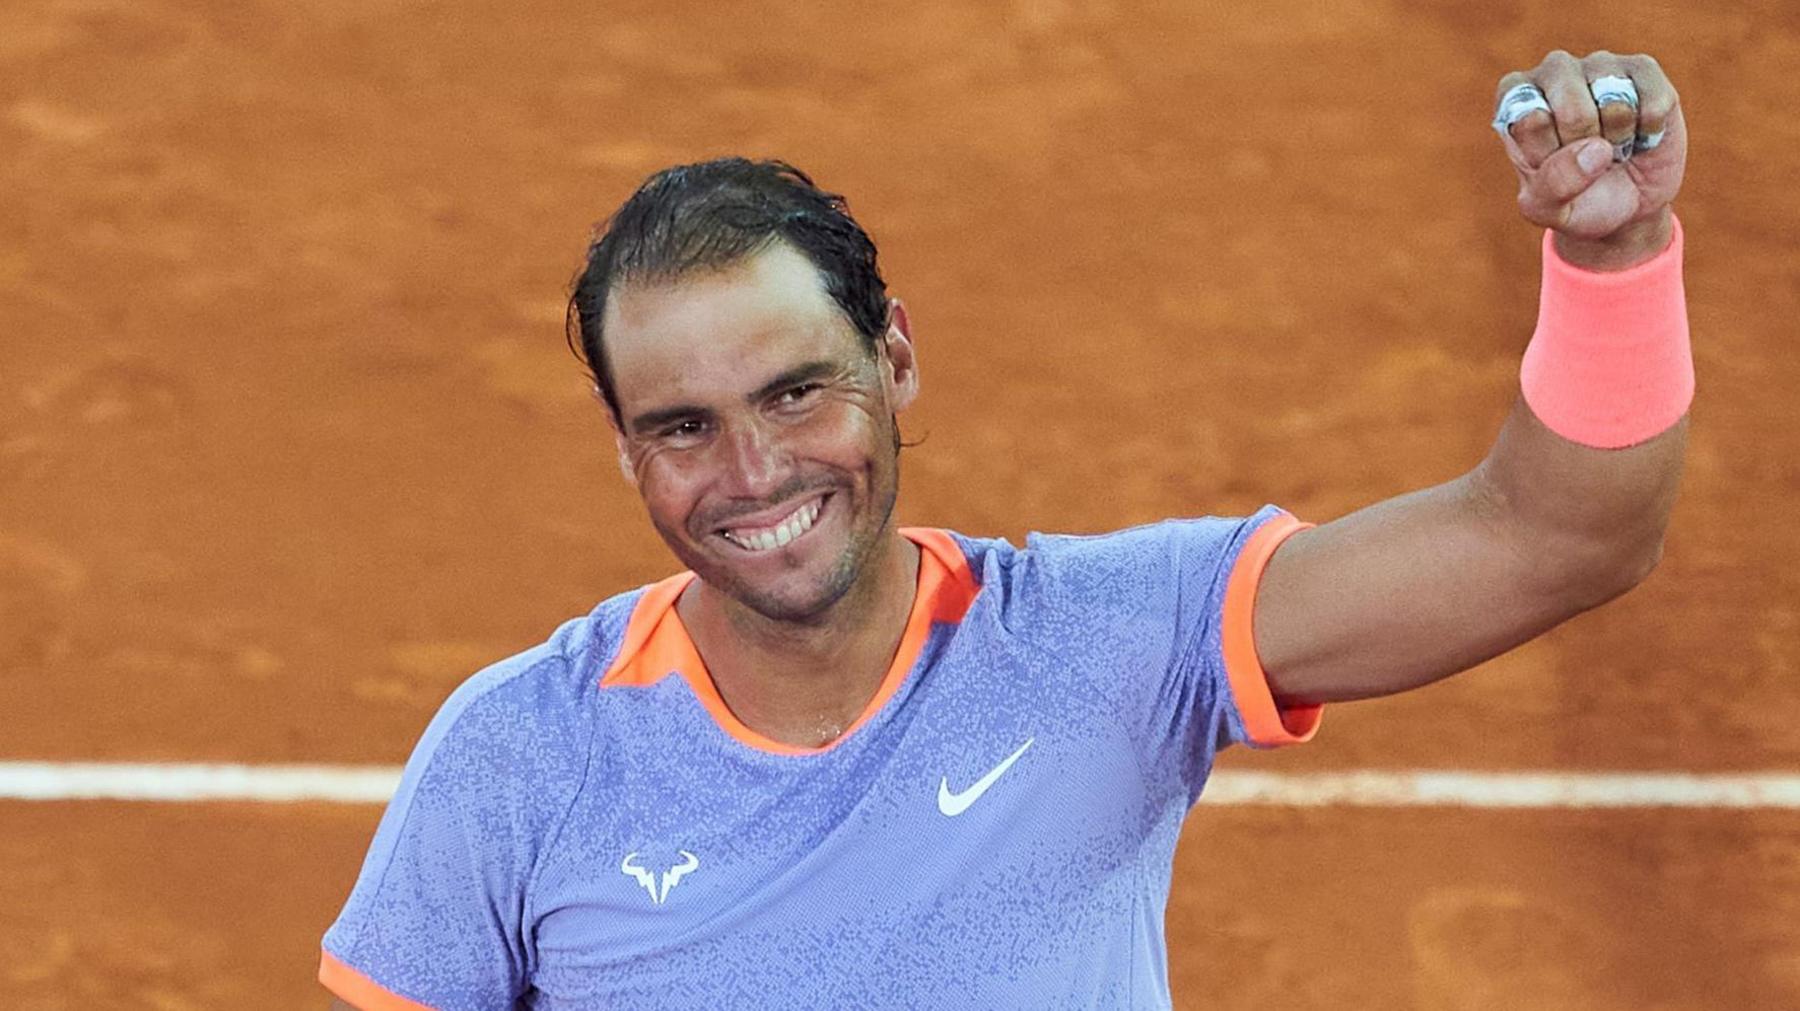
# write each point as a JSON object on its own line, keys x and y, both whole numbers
{"x": 1600, "y": 148}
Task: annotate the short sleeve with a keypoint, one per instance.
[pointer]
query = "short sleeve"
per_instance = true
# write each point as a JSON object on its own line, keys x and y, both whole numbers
{"x": 435, "y": 917}
{"x": 1152, "y": 625}
{"x": 1260, "y": 721}
{"x": 1214, "y": 691}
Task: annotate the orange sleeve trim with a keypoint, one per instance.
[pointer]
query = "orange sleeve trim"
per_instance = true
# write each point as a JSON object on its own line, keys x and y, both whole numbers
{"x": 1267, "y": 724}
{"x": 360, "y": 991}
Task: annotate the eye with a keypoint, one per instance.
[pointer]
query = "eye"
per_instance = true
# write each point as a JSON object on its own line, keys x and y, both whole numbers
{"x": 795, "y": 396}
{"x": 685, "y": 431}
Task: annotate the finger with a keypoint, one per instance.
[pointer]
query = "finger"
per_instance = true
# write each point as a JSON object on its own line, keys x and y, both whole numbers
{"x": 1565, "y": 87}
{"x": 1616, "y": 96}
{"x": 1522, "y": 114}
{"x": 1545, "y": 196}
{"x": 1657, "y": 100}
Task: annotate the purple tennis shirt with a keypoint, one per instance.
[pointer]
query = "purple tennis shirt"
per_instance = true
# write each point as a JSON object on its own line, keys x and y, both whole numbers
{"x": 587, "y": 825}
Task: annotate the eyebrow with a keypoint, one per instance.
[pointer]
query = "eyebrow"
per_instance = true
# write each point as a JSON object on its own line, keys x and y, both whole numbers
{"x": 795, "y": 376}
{"x": 807, "y": 372}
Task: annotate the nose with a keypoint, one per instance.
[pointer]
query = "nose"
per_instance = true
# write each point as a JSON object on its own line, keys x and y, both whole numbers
{"x": 754, "y": 462}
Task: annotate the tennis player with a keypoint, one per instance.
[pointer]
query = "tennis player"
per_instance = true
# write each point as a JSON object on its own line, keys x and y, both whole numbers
{"x": 838, "y": 763}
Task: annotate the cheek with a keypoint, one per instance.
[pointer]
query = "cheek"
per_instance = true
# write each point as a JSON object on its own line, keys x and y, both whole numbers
{"x": 668, "y": 486}
{"x": 847, "y": 434}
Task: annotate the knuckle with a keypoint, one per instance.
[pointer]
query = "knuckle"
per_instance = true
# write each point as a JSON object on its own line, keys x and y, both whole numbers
{"x": 1569, "y": 92}
{"x": 1535, "y": 124}
{"x": 1657, "y": 109}
{"x": 1644, "y": 68}
{"x": 1574, "y": 130}
{"x": 1614, "y": 115}
{"x": 1573, "y": 120}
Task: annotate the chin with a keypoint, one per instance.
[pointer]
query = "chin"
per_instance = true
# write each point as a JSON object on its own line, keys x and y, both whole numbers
{"x": 793, "y": 610}
{"x": 798, "y": 597}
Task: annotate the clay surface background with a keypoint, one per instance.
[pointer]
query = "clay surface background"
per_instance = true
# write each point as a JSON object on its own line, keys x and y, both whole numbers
{"x": 290, "y": 443}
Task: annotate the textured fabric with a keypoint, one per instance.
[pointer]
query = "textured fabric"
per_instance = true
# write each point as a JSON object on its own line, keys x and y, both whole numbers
{"x": 558, "y": 844}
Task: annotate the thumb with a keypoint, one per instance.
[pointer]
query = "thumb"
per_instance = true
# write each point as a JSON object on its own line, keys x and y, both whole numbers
{"x": 1563, "y": 176}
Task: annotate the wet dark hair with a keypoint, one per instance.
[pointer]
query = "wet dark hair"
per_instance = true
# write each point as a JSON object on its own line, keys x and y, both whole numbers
{"x": 712, "y": 214}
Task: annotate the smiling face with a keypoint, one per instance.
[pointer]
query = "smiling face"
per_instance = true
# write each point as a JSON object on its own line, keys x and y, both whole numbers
{"x": 759, "y": 428}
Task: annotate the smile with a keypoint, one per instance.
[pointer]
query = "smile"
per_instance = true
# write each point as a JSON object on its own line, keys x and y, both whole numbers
{"x": 777, "y": 534}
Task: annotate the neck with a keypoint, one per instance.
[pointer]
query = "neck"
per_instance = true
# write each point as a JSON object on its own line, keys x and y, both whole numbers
{"x": 804, "y": 683}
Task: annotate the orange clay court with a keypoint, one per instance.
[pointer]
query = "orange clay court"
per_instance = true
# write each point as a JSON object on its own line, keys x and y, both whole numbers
{"x": 290, "y": 443}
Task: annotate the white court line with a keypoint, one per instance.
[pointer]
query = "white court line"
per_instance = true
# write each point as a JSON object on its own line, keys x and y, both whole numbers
{"x": 1451, "y": 788}
{"x": 368, "y": 784}
{"x": 1416, "y": 788}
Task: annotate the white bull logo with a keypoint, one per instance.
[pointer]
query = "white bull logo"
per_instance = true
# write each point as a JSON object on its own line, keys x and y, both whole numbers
{"x": 647, "y": 878}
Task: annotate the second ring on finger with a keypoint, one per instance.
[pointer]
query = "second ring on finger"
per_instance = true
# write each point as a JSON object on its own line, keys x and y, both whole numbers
{"x": 1616, "y": 99}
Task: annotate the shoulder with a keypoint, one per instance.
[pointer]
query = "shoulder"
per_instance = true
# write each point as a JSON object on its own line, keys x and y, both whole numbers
{"x": 527, "y": 718}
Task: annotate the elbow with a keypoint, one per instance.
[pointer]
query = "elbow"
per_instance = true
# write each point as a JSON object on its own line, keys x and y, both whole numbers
{"x": 1646, "y": 561}
{"x": 1606, "y": 572}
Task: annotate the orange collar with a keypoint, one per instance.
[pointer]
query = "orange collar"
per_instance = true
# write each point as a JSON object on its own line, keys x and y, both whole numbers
{"x": 657, "y": 644}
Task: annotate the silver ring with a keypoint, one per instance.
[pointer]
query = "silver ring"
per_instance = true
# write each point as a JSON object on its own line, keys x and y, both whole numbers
{"x": 1613, "y": 88}
{"x": 1520, "y": 100}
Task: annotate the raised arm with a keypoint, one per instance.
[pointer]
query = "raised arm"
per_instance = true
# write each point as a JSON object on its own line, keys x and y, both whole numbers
{"x": 1568, "y": 508}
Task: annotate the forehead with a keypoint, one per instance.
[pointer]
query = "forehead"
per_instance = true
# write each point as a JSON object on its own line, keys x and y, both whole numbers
{"x": 719, "y": 333}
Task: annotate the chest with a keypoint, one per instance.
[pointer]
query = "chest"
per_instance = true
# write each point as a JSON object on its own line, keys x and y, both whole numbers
{"x": 969, "y": 828}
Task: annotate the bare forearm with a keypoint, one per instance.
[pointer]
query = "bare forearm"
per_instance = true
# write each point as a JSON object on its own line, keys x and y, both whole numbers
{"x": 1411, "y": 590}
{"x": 1590, "y": 521}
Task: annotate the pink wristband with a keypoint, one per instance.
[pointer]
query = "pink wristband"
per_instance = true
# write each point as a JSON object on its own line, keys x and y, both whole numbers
{"x": 1610, "y": 365}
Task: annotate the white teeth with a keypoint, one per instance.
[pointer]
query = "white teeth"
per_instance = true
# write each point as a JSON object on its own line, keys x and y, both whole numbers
{"x": 797, "y": 523}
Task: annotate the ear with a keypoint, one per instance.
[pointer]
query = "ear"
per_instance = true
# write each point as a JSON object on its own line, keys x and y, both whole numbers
{"x": 902, "y": 373}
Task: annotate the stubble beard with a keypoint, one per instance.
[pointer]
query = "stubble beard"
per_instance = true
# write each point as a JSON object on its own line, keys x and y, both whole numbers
{"x": 841, "y": 578}
{"x": 850, "y": 566}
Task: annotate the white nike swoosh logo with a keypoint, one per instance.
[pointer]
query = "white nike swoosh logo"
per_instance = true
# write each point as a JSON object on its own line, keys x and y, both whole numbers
{"x": 953, "y": 804}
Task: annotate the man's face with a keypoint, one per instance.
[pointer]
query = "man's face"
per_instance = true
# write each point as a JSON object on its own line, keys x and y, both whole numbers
{"x": 759, "y": 428}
